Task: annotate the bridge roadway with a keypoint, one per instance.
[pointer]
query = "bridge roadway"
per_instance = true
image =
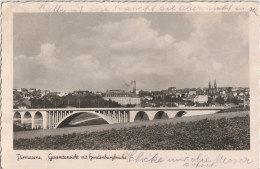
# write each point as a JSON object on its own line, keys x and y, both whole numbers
{"x": 58, "y": 117}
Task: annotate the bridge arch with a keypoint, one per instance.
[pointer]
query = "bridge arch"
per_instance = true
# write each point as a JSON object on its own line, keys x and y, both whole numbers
{"x": 27, "y": 120}
{"x": 17, "y": 121}
{"x": 180, "y": 113}
{"x": 72, "y": 115}
{"x": 38, "y": 120}
{"x": 17, "y": 117}
{"x": 141, "y": 116}
{"x": 161, "y": 115}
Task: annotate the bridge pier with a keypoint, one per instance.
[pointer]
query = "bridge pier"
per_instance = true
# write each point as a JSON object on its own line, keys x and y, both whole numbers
{"x": 22, "y": 119}
{"x": 52, "y": 119}
{"x": 44, "y": 120}
{"x": 49, "y": 119}
{"x": 32, "y": 123}
{"x": 125, "y": 117}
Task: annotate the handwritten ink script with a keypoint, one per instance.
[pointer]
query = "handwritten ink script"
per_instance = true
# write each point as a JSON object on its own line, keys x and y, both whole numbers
{"x": 198, "y": 161}
{"x": 178, "y": 7}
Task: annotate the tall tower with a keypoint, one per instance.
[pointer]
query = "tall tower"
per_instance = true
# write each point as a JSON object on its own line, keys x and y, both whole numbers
{"x": 134, "y": 86}
{"x": 209, "y": 85}
{"x": 215, "y": 84}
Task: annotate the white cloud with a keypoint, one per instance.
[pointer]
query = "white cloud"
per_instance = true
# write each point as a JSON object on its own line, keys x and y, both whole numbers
{"x": 36, "y": 70}
{"x": 46, "y": 56}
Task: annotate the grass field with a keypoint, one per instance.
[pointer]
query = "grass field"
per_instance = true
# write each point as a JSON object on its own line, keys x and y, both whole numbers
{"x": 219, "y": 134}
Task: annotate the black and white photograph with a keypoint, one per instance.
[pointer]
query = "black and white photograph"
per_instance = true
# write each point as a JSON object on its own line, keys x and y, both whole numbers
{"x": 131, "y": 81}
{"x": 131, "y": 85}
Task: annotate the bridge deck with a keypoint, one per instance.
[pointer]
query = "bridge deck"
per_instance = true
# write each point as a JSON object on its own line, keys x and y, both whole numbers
{"x": 70, "y": 130}
{"x": 124, "y": 109}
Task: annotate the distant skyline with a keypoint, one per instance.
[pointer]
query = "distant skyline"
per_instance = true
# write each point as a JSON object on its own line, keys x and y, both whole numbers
{"x": 121, "y": 89}
{"x": 103, "y": 51}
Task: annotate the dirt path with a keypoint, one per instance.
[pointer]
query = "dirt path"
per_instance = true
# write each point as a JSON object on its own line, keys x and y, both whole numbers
{"x": 83, "y": 129}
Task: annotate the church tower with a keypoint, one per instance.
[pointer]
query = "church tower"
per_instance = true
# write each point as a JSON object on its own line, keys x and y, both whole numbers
{"x": 213, "y": 90}
{"x": 215, "y": 84}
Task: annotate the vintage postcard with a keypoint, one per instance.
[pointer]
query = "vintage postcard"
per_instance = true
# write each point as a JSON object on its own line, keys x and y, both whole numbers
{"x": 130, "y": 85}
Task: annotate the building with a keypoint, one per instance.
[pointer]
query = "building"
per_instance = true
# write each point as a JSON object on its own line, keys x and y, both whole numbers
{"x": 148, "y": 98}
{"x": 192, "y": 92}
{"x": 31, "y": 90}
{"x": 24, "y": 90}
{"x": 200, "y": 91}
{"x": 122, "y": 97}
{"x": 201, "y": 99}
{"x": 158, "y": 95}
{"x": 61, "y": 94}
{"x": 171, "y": 90}
{"x": 99, "y": 93}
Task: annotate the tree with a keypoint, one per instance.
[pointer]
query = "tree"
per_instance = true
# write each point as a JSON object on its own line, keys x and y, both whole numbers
{"x": 220, "y": 100}
{"x": 235, "y": 100}
{"x": 209, "y": 101}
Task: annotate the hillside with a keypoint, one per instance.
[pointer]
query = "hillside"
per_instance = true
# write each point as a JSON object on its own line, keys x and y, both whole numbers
{"x": 215, "y": 134}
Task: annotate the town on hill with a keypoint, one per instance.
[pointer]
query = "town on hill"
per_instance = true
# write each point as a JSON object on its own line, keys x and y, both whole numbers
{"x": 211, "y": 96}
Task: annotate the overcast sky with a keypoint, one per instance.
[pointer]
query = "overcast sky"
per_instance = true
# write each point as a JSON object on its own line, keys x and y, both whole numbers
{"x": 100, "y": 51}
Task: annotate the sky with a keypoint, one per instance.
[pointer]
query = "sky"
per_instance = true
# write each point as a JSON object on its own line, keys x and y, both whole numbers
{"x": 103, "y": 51}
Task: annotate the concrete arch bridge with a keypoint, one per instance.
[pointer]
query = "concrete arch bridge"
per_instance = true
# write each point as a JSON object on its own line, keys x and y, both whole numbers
{"x": 60, "y": 117}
